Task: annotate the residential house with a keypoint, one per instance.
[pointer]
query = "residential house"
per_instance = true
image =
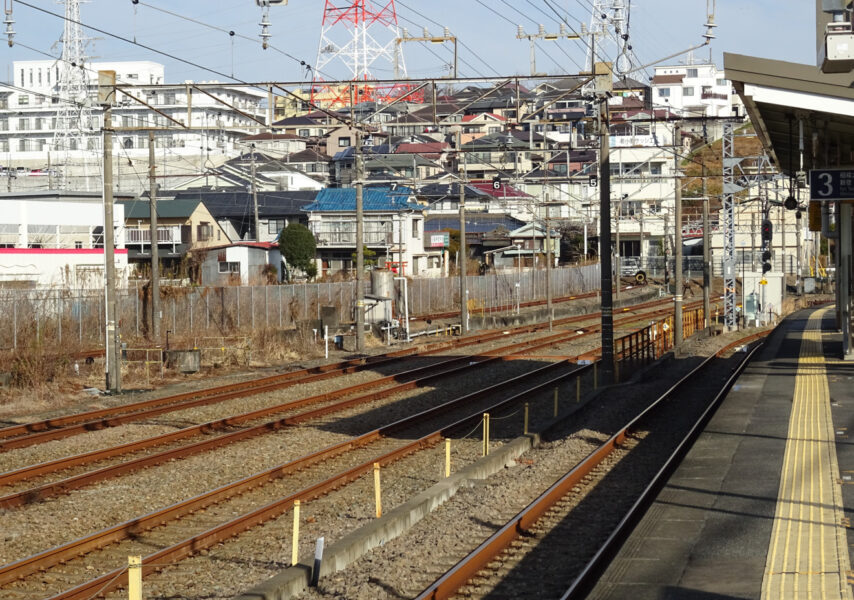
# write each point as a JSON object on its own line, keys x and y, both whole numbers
{"x": 393, "y": 230}
{"x": 234, "y": 211}
{"x": 56, "y": 239}
{"x": 494, "y": 155}
{"x": 270, "y": 174}
{"x": 241, "y": 263}
{"x": 183, "y": 226}
{"x": 311, "y": 162}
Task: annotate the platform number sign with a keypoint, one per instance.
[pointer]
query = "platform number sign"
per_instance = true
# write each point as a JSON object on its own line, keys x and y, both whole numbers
{"x": 828, "y": 185}
{"x": 496, "y": 183}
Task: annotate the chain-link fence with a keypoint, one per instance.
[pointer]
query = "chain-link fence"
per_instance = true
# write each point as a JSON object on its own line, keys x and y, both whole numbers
{"x": 76, "y": 317}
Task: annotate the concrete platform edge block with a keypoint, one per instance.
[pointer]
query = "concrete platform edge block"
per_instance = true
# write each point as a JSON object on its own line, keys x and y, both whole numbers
{"x": 294, "y": 580}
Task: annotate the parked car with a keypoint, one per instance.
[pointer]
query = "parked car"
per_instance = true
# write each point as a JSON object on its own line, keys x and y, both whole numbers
{"x": 629, "y": 265}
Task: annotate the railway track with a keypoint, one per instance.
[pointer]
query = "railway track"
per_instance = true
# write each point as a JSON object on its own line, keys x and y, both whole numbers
{"x": 28, "y": 434}
{"x": 384, "y": 453}
{"x": 517, "y": 556}
{"x": 199, "y": 537}
{"x": 410, "y": 380}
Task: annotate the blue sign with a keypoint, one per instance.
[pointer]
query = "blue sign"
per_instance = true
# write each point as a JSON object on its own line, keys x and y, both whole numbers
{"x": 831, "y": 184}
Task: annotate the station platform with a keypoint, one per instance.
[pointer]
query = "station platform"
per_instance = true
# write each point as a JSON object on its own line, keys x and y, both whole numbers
{"x": 760, "y": 508}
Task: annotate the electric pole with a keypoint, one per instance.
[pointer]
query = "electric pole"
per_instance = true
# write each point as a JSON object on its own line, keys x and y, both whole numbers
{"x": 707, "y": 263}
{"x": 464, "y": 309}
{"x": 360, "y": 252}
{"x": 677, "y": 185}
{"x": 549, "y": 259}
{"x": 255, "y": 197}
{"x": 605, "y": 262}
{"x": 106, "y": 96}
{"x": 155, "y": 247}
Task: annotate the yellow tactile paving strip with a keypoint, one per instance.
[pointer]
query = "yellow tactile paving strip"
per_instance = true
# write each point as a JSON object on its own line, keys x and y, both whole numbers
{"x": 808, "y": 552}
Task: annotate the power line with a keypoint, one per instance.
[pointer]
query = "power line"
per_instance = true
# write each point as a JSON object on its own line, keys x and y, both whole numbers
{"x": 461, "y": 43}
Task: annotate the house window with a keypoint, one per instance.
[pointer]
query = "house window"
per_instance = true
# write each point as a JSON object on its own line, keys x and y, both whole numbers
{"x": 304, "y": 132}
{"x": 664, "y": 92}
{"x": 229, "y": 267}
{"x": 23, "y": 124}
{"x": 416, "y": 228}
{"x": 344, "y": 142}
{"x": 706, "y": 90}
{"x": 23, "y": 100}
{"x": 205, "y": 232}
{"x": 4, "y": 124}
{"x": 687, "y": 91}
{"x": 692, "y": 73}
{"x": 4, "y": 145}
{"x": 23, "y": 145}
{"x": 274, "y": 226}
{"x": 722, "y": 82}
{"x": 78, "y": 245}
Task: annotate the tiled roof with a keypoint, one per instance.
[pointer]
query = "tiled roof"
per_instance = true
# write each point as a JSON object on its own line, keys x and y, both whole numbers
{"x": 505, "y": 191}
{"x": 381, "y": 199}
{"x": 166, "y": 209}
{"x": 228, "y": 204}
{"x": 665, "y": 79}
{"x": 468, "y": 118}
{"x": 475, "y": 223}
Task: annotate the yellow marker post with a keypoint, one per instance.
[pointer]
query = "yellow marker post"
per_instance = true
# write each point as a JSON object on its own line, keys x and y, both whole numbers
{"x": 295, "y": 539}
{"x": 377, "y": 490}
{"x": 485, "y": 434}
{"x": 134, "y": 578}
{"x": 525, "y": 428}
{"x": 447, "y": 457}
{"x": 577, "y": 390}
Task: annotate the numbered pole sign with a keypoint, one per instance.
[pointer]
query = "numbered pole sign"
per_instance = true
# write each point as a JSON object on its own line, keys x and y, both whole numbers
{"x": 830, "y": 185}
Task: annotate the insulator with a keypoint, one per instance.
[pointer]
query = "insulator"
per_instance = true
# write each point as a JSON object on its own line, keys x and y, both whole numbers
{"x": 265, "y": 31}
{"x": 10, "y": 31}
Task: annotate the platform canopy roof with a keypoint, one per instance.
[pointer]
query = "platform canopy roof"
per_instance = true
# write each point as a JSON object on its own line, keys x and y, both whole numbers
{"x": 779, "y": 95}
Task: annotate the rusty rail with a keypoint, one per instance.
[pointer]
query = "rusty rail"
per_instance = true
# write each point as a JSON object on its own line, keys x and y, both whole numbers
{"x": 55, "y": 556}
{"x": 19, "y": 436}
{"x": 84, "y": 479}
{"x": 447, "y": 585}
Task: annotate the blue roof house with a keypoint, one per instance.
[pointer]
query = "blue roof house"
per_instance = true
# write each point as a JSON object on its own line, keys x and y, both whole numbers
{"x": 393, "y": 227}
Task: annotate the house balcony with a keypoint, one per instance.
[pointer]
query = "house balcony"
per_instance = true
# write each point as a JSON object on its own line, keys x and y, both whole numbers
{"x": 347, "y": 239}
{"x": 141, "y": 236}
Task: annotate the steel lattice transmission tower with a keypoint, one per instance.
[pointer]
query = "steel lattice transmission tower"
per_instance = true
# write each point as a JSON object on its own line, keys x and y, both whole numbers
{"x": 608, "y": 31}
{"x": 362, "y": 35}
{"x": 74, "y": 120}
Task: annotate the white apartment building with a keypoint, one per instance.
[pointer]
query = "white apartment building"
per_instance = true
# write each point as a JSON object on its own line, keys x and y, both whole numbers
{"x": 57, "y": 239}
{"x": 695, "y": 90}
{"x": 31, "y": 105}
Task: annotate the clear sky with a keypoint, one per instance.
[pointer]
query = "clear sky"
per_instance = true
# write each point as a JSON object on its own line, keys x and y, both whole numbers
{"x": 781, "y": 29}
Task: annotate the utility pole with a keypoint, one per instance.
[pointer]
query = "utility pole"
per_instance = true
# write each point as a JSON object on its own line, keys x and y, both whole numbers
{"x": 618, "y": 266}
{"x": 106, "y": 96}
{"x": 155, "y": 247}
{"x": 707, "y": 263}
{"x": 255, "y": 197}
{"x": 677, "y": 302}
{"x": 548, "y": 249}
{"x": 542, "y": 35}
{"x": 464, "y": 309}
{"x": 360, "y": 252}
{"x": 606, "y": 281}
{"x": 799, "y": 282}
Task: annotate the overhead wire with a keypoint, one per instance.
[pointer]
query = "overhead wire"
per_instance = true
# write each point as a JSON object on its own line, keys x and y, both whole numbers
{"x": 460, "y": 42}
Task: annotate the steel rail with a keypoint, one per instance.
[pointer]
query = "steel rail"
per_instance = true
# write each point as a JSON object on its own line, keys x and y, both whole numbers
{"x": 448, "y": 584}
{"x": 49, "y": 558}
{"x": 84, "y": 479}
{"x": 75, "y": 482}
{"x": 59, "y": 427}
{"x": 603, "y": 555}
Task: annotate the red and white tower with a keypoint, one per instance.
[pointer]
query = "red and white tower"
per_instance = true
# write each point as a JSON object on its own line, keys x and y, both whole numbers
{"x": 361, "y": 35}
